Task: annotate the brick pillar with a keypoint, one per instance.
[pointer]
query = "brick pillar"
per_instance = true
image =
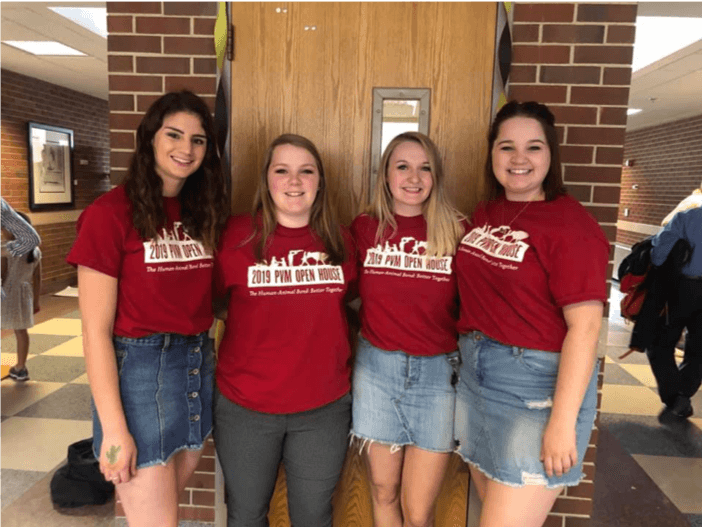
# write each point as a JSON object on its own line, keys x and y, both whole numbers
{"x": 154, "y": 48}
{"x": 576, "y": 58}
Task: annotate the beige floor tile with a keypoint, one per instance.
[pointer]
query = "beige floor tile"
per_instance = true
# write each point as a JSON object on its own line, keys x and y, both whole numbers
{"x": 633, "y": 400}
{"x": 609, "y": 361}
{"x": 70, "y": 348}
{"x": 680, "y": 479}
{"x": 25, "y": 445}
{"x": 642, "y": 372}
{"x": 83, "y": 379}
{"x": 8, "y": 359}
{"x": 16, "y": 396}
{"x": 696, "y": 421}
{"x": 58, "y": 326}
{"x": 616, "y": 338}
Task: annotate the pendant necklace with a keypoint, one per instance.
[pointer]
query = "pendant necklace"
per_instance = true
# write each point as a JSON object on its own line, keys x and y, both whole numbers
{"x": 516, "y": 216}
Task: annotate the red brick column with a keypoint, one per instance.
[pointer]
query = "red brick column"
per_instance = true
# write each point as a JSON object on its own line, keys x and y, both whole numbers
{"x": 154, "y": 48}
{"x": 576, "y": 58}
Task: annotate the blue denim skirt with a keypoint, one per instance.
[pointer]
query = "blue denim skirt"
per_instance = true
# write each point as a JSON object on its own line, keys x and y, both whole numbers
{"x": 504, "y": 399}
{"x": 166, "y": 384}
{"x": 401, "y": 399}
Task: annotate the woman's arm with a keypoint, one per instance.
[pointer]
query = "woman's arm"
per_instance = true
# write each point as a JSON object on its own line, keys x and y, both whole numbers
{"x": 36, "y": 286}
{"x": 97, "y": 297}
{"x": 558, "y": 450}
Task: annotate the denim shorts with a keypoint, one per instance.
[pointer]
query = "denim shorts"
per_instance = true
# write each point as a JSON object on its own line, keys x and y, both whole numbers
{"x": 504, "y": 400}
{"x": 401, "y": 399}
{"x": 166, "y": 383}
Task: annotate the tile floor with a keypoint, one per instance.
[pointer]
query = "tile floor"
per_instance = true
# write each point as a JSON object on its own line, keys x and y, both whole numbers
{"x": 648, "y": 474}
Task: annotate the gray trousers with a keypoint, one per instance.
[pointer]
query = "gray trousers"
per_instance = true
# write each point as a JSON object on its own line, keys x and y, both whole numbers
{"x": 250, "y": 445}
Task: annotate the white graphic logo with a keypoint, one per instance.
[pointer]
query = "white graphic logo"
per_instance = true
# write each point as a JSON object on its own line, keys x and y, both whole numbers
{"x": 297, "y": 268}
{"x": 500, "y": 242}
{"x": 408, "y": 255}
{"x": 174, "y": 245}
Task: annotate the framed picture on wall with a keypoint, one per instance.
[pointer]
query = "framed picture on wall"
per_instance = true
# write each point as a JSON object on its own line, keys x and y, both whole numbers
{"x": 51, "y": 175}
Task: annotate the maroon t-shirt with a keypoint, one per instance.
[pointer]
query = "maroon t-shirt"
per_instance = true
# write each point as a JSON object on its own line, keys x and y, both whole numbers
{"x": 285, "y": 348}
{"x": 164, "y": 285}
{"x": 520, "y": 264}
{"x": 409, "y": 300}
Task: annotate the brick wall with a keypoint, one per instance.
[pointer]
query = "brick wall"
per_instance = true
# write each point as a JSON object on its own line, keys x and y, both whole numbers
{"x": 27, "y": 99}
{"x": 154, "y": 48}
{"x": 667, "y": 167}
{"x": 576, "y": 58}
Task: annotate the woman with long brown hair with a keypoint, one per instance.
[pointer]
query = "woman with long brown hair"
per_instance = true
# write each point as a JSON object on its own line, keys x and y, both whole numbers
{"x": 144, "y": 253}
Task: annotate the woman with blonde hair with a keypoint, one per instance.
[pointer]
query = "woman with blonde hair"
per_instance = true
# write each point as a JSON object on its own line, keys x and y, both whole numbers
{"x": 283, "y": 370}
{"x": 407, "y": 358}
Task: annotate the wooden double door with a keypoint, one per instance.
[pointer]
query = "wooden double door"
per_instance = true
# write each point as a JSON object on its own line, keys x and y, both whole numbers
{"x": 310, "y": 69}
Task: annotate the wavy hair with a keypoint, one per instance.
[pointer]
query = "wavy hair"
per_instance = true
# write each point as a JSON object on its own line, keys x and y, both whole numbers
{"x": 323, "y": 219}
{"x": 203, "y": 200}
{"x": 444, "y": 228}
{"x": 553, "y": 182}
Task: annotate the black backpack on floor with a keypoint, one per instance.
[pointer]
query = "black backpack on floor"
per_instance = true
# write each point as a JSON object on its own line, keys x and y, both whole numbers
{"x": 79, "y": 482}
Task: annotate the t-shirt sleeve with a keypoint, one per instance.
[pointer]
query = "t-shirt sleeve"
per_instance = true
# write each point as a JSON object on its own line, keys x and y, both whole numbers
{"x": 222, "y": 260}
{"x": 577, "y": 267}
{"x": 100, "y": 241}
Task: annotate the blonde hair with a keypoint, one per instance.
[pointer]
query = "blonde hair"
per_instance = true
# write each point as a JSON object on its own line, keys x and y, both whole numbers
{"x": 444, "y": 229}
{"x": 323, "y": 220}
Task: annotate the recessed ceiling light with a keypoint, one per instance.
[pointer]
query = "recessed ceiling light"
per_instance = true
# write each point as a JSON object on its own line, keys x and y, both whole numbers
{"x": 91, "y": 18}
{"x": 43, "y": 47}
{"x": 632, "y": 111}
{"x": 659, "y": 36}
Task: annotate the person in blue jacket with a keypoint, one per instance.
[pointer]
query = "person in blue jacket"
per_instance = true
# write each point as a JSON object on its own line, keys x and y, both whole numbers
{"x": 676, "y": 385}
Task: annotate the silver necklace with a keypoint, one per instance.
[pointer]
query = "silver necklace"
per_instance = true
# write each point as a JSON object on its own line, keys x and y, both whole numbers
{"x": 516, "y": 216}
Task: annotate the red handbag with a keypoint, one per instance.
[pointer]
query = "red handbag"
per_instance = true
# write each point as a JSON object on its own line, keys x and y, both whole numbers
{"x": 634, "y": 295}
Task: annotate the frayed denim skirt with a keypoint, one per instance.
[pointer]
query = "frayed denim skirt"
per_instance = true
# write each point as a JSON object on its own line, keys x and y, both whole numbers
{"x": 504, "y": 399}
{"x": 166, "y": 384}
{"x": 401, "y": 399}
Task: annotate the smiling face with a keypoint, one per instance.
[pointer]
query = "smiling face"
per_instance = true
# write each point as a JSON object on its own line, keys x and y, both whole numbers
{"x": 293, "y": 183}
{"x": 409, "y": 178}
{"x": 179, "y": 148}
{"x": 521, "y": 159}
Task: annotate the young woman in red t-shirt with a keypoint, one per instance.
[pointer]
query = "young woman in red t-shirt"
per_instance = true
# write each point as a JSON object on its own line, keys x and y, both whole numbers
{"x": 144, "y": 258}
{"x": 407, "y": 358}
{"x": 283, "y": 364}
{"x": 532, "y": 281}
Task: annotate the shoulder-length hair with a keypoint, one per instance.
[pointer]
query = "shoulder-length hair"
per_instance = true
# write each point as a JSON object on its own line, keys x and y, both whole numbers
{"x": 444, "y": 228}
{"x": 203, "y": 200}
{"x": 553, "y": 183}
{"x": 323, "y": 220}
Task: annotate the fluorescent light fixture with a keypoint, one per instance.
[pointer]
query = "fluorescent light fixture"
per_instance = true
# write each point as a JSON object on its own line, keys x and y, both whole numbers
{"x": 632, "y": 111}
{"x": 91, "y": 18}
{"x": 43, "y": 48}
{"x": 659, "y": 36}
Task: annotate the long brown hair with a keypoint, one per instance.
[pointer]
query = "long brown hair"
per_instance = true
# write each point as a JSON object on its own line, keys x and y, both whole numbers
{"x": 323, "y": 219}
{"x": 553, "y": 183}
{"x": 204, "y": 203}
{"x": 444, "y": 228}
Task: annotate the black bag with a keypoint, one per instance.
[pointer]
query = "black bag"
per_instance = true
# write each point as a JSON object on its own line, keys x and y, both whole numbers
{"x": 80, "y": 482}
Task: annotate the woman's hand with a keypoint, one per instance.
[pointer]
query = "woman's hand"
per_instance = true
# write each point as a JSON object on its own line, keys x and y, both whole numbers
{"x": 118, "y": 457}
{"x": 558, "y": 449}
